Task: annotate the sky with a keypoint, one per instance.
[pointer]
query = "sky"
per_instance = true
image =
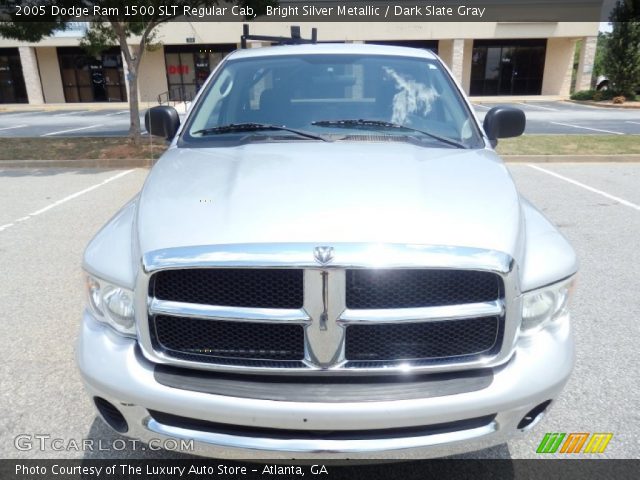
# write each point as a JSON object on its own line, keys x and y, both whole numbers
{"x": 605, "y": 27}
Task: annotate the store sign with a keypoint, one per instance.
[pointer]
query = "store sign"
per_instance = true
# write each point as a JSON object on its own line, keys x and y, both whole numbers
{"x": 178, "y": 69}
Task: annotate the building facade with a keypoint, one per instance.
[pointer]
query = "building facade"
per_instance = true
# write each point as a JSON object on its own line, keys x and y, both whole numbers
{"x": 487, "y": 58}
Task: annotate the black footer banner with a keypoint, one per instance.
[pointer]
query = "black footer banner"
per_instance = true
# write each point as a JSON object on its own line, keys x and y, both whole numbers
{"x": 117, "y": 469}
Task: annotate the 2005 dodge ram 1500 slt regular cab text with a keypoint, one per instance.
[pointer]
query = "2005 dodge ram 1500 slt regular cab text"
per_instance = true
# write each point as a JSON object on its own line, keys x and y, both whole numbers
{"x": 330, "y": 261}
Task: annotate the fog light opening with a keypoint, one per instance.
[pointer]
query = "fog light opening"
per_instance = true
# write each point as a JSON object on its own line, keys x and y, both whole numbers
{"x": 111, "y": 415}
{"x": 533, "y": 417}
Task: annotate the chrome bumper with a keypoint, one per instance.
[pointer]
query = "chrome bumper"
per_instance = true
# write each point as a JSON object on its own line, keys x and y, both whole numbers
{"x": 114, "y": 369}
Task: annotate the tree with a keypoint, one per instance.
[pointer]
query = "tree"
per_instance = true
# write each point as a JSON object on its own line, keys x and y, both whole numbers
{"x": 601, "y": 51}
{"x": 115, "y": 24}
{"x": 622, "y": 58}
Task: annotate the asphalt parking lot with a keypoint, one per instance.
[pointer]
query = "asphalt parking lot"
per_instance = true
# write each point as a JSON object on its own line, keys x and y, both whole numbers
{"x": 542, "y": 118}
{"x": 569, "y": 118}
{"x": 48, "y": 216}
{"x": 66, "y": 123}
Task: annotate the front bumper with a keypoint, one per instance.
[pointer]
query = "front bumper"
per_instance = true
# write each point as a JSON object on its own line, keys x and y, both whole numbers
{"x": 114, "y": 369}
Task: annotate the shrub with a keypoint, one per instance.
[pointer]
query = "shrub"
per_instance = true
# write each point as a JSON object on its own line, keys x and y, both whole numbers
{"x": 619, "y": 99}
{"x": 583, "y": 95}
{"x": 595, "y": 95}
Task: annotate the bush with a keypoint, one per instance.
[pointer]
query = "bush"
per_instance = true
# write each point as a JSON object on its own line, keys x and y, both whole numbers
{"x": 583, "y": 95}
{"x": 619, "y": 99}
{"x": 595, "y": 95}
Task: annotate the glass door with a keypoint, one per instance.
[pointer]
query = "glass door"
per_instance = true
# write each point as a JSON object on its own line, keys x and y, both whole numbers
{"x": 92, "y": 79}
{"x": 12, "y": 88}
{"x": 507, "y": 67}
{"x": 189, "y": 66}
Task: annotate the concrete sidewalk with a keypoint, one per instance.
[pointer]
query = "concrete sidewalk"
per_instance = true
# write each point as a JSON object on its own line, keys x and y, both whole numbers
{"x": 623, "y": 158}
{"x": 517, "y": 99}
{"x": 113, "y": 163}
{"x": 147, "y": 162}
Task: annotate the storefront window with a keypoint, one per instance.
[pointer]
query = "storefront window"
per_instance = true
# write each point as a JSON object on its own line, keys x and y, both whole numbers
{"x": 507, "y": 67}
{"x": 189, "y": 66}
{"x": 12, "y": 89}
{"x": 92, "y": 79}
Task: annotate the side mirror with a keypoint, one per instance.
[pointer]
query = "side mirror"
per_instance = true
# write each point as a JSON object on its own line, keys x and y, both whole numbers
{"x": 162, "y": 121}
{"x": 504, "y": 122}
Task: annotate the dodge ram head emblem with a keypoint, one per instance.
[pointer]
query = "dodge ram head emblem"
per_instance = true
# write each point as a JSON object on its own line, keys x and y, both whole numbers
{"x": 323, "y": 255}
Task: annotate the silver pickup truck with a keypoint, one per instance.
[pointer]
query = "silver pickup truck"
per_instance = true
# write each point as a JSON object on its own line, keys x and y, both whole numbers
{"x": 330, "y": 261}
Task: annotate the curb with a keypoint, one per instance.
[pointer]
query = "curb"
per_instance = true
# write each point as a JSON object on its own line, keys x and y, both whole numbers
{"x": 147, "y": 163}
{"x": 95, "y": 163}
{"x": 604, "y": 105}
{"x": 624, "y": 158}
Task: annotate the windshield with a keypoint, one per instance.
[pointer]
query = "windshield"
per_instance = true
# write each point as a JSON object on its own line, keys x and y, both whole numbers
{"x": 338, "y": 97}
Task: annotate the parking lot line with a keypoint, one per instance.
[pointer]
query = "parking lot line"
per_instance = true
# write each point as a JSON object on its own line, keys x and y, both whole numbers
{"x": 10, "y": 128}
{"x": 481, "y": 106}
{"x": 21, "y": 112}
{"x": 622, "y": 201}
{"x": 587, "y": 128}
{"x": 635, "y": 123}
{"x": 71, "y": 130}
{"x": 535, "y": 105}
{"x": 116, "y": 113}
{"x": 81, "y": 192}
{"x": 66, "y": 114}
{"x": 66, "y": 199}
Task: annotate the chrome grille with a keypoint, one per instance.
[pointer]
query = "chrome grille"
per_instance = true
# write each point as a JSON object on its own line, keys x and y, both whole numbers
{"x": 232, "y": 287}
{"x": 422, "y": 341}
{"x": 409, "y": 288}
{"x": 351, "y": 320}
{"x": 210, "y": 341}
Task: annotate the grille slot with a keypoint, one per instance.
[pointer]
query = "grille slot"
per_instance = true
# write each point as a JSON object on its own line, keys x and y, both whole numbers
{"x": 209, "y": 340}
{"x": 423, "y": 341}
{"x": 398, "y": 288}
{"x": 257, "y": 288}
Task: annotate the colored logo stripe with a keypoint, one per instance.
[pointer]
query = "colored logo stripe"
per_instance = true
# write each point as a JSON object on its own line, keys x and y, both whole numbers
{"x": 550, "y": 443}
{"x": 574, "y": 442}
{"x": 598, "y": 442}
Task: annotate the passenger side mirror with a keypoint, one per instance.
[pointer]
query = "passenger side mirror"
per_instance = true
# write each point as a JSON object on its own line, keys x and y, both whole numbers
{"x": 504, "y": 122}
{"x": 162, "y": 121}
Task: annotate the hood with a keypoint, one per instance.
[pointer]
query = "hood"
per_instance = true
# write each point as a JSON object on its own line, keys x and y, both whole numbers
{"x": 327, "y": 193}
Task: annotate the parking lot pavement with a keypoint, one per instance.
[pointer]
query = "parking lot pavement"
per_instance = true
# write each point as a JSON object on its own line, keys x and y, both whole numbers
{"x": 606, "y": 306}
{"x": 66, "y": 123}
{"x": 572, "y": 119}
{"x": 41, "y": 293}
{"x": 542, "y": 118}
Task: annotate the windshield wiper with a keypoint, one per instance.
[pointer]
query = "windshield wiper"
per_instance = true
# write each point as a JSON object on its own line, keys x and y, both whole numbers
{"x": 383, "y": 124}
{"x": 252, "y": 127}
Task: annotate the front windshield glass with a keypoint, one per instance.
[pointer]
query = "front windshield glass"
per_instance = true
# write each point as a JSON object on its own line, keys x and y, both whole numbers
{"x": 334, "y": 96}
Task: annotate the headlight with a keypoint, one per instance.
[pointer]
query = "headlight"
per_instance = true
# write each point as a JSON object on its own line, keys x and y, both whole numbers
{"x": 112, "y": 305}
{"x": 542, "y": 306}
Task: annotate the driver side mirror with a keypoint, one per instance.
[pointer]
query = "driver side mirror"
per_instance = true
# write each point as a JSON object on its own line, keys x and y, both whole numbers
{"x": 162, "y": 121}
{"x": 504, "y": 122}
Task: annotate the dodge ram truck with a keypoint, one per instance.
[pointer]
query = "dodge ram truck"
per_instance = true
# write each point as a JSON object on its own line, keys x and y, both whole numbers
{"x": 329, "y": 261}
